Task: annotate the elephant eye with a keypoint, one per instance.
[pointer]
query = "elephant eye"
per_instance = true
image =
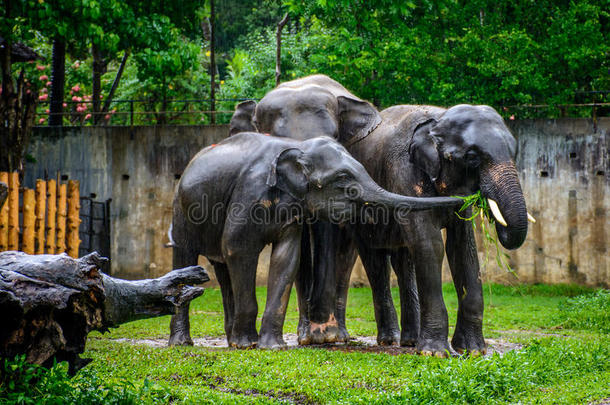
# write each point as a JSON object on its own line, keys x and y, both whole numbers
{"x": 472, "y": 158}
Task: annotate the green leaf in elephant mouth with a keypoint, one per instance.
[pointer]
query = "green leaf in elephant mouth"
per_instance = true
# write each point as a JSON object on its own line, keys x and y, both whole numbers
{"x": 480, "y": 208}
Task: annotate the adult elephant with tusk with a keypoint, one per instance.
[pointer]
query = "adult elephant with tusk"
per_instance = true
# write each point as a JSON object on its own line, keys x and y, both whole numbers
{"x": 431, "y": 151}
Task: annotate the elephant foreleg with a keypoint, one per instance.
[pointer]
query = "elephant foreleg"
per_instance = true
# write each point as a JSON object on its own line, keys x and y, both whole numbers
{"x": 228, "y": 303}
{"x": 322, "y": 322}
{"x": 427, "y": 252}
{"x": 242, "y": 272}
{"x": 282, "y": 270}
{"x": 409, "y": 302}
{"x": 464, "y": 263}
{"x": 345, "y": 258}
{"x": 304, "y": 284}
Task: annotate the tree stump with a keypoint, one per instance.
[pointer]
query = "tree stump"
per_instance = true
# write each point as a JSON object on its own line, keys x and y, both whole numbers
{"x": 49, "y": 303}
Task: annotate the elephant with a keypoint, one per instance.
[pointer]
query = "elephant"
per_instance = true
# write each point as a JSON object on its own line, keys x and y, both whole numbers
{"x": 432, "y": 151}
{"x": 251, "y": 190}
{"x": 300, "y": 109}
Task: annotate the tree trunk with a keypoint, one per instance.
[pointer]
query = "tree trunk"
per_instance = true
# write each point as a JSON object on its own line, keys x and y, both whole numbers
{"x": 58, "y": 78}
{"x": 212, "y": 66}
{"x": 17, "y": 114}
{"x": 5, "y": 105}
{"x": 49, "y": 303}
{"x": 98, "y": 69}
{"x": 278, "y": 49}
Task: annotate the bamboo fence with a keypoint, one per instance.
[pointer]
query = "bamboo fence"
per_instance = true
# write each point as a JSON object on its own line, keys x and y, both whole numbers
{"x": 47, "y": 220}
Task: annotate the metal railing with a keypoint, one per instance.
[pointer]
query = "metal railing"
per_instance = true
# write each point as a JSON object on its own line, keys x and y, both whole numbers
{"x": 142, "y": 112}
{"x": 196, "y": 111}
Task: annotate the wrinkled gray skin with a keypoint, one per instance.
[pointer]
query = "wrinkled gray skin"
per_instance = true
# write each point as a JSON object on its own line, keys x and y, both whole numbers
{"x": 424, "y": 150}
{"x": 251, "y": 190}
{"x": 300, "y": 109}
{"x": 430, "y": 151}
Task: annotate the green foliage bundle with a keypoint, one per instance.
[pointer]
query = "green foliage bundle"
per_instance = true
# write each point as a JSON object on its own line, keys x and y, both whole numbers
{"x": 478, "y": 207}
{"x": 587, "y": 312}
{"x": 24, "y": 383}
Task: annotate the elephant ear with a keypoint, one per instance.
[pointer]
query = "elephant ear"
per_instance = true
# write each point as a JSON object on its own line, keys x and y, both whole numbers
{"x": 289, "y": 172}
{"x": 423, "y": 150}
{"x": 242, "y": 121}
{"x": 357, "y": 119}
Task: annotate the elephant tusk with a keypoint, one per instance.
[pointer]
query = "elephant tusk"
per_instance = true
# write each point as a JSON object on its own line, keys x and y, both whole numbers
{"x": 531, "y": 218}
{"x": 495, "y": 210}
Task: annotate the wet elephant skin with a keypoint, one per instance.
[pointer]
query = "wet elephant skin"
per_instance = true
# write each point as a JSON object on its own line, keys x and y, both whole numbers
{"x": 251, "y": 190}
{"x": 430, "y": 151}
{"x": 300, "y": 109}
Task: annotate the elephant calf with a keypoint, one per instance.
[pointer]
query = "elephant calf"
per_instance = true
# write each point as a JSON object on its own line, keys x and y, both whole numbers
{"x": 251, "y": 190}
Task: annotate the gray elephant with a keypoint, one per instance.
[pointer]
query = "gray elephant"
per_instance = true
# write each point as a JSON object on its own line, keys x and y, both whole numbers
{"x": 251, "y": 190}
{"x": 300, "y": 109}
{"x": 430, "y": 151}
{"x": 404, "y": 156}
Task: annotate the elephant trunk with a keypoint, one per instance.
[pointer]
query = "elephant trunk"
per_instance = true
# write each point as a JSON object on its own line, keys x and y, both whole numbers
{"x": 400, "y": 202}
{"x": 500, "y": 184}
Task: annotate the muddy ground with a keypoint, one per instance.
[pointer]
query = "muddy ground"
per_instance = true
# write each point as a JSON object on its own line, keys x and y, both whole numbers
{"x": 366, "y": 344}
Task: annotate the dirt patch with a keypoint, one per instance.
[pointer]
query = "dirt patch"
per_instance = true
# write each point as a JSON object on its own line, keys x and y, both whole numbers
{"x": 366, "y": 344}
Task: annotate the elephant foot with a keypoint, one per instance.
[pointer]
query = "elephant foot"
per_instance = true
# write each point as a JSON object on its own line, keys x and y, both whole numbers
{"x": 435, "y": 348}
{"x": 318, "y": 333}
{"x": 271, "y": 341}
{"x": 469, "y": 342}
{"x": 388, "y": 337}
{"x": 343, "y": 335}
{"x": 408, "y": 339}
{"x": 243, "y": 341}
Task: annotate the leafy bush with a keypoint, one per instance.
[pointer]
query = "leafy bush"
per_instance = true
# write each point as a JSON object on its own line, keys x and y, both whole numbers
{"x": 589, "y": 312}
{"x": 24, "y": 383}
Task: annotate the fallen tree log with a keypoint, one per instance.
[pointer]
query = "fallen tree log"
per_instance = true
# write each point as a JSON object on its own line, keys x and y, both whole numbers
{"x": 49, "y": 303}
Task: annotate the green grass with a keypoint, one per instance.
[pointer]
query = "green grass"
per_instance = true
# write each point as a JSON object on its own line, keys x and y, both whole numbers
{"x": 565, "y": 358}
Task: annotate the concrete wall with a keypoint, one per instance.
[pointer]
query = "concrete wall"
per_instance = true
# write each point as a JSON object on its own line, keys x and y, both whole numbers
{"x": 563, "y": 167}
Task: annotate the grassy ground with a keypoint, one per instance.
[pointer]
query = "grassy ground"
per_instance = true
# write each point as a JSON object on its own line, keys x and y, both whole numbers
{"x": 565, "y": 358}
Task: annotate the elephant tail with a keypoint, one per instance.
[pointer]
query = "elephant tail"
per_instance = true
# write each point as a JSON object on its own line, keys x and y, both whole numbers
{"x": 171, "y": 242}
